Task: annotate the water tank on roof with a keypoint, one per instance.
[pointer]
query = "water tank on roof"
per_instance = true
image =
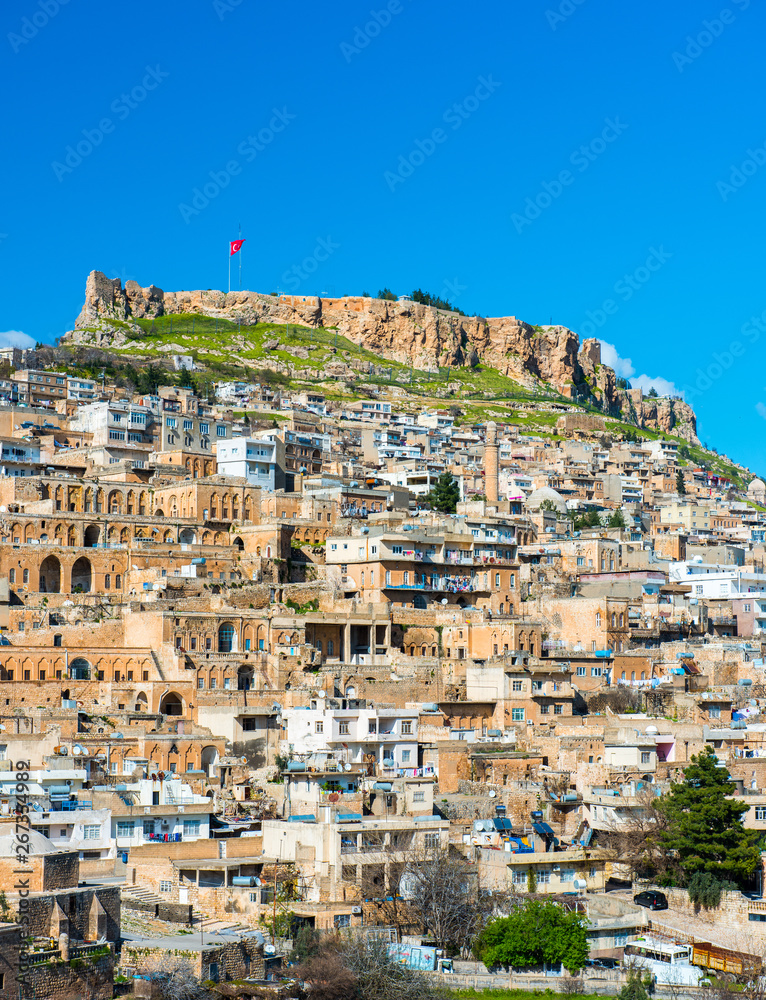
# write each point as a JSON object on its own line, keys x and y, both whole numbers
{"x": 296, "y": 765}
{"x": 430, "y": 706}
{"x": 651, "y": 730}
{"x": 744, "y": 682}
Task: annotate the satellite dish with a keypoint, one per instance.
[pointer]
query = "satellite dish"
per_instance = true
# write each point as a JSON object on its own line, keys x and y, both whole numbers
{"x": 244, "y": 760}
{"x": 492, "y": 794}
{"x": 321, "y": 694}
{"x": 269, "y": 949}
{"x": 76, "y": 751}
{"x": 444, "y": 600}
{"x": 346, "y": 767}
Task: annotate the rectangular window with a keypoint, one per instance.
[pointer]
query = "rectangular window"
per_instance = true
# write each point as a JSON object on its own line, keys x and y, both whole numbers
{"x": 170, "y": 422}
{"x": 396, "y": 549}
{"x": 431, "y": 842}
{"x": 543, "y": 878}
{"x": 581, "y": 671}
{"x": 191, "y": 828}
{"x": 220, "y": 431}
{"x": 646, "y": 757}
{"x": 558, "y": 709}
{"x": 760, "y": 813}
{"x": 124, "y": 829}
{"x": 343, "y": 728}
{"x": 166, "y": 886}
{"x": 567, "y": 875}
{"x": 517, "y": 714}
{"x": 319, "y": 727}
{"x": 204, "y": 428}
{"x": 91, "y": 832}
{"x": 545, "y": 709}
{"x": 188, "y": 425}
{"x": 518, "y": 685}
{"x": 419, "y": 797}
{"x": 406, "y": 728}
{"x": 406, "y": 754}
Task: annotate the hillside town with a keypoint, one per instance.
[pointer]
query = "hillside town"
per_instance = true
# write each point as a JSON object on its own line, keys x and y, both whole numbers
{"x": 267, "y": 651}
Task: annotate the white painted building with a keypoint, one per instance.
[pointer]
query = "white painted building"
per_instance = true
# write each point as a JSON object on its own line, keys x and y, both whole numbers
{"x": 252, "y": 458}
{"x": 390, "y": 735}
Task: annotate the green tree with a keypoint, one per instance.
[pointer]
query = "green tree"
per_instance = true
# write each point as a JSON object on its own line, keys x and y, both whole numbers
{"x": 705, "y": 831}
{"x": 534, "y": 933}
{"x": 617, "y": 520}
{"x": 386, "y": 293}
{"x": 445, "y": 493}
{"x": 680, "y": 484}
{"x": 531, "y": 882}
{"x": 637, "y": 986}
{"x": 652, "y": 393}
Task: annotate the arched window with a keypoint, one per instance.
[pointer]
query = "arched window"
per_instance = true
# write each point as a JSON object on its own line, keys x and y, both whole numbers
{"x": 226, "y": 638}
{"x": 79, "y": 669}
{"x": 330, "y": 647}
{"x": 614, "y": 620}
{"x": 598, "y": 619}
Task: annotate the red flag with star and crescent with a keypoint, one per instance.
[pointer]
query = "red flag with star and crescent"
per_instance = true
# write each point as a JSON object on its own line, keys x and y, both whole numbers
{"x": 235, "y": 246}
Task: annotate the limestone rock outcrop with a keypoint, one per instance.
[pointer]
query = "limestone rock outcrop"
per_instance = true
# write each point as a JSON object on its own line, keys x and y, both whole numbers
{"x": 403, "y": 331}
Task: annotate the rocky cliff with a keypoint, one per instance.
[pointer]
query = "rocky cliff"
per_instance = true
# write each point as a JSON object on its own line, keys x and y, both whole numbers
{"x": 403, "y": 331}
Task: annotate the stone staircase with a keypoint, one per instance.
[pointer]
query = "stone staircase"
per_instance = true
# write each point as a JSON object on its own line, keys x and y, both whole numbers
{"x": 211, "y": 927}
{"x": 140, "y": 893}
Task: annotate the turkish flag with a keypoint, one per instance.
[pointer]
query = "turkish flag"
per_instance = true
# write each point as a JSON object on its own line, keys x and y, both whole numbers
{"x": 235, "y": 246}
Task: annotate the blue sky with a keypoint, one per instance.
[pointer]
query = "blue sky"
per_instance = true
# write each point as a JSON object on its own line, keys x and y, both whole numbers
{"x": 596, "y": 164}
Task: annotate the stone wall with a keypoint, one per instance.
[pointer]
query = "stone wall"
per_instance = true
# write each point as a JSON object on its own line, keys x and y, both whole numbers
{"x": 82, "y": 976}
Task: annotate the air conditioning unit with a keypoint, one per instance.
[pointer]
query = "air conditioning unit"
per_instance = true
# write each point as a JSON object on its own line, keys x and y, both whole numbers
{"x": 356, "y": 910}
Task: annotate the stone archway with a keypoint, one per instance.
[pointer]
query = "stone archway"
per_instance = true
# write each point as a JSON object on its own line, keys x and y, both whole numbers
{"x": 50, "y": 576}
{"x": 172, "y": 704}
{"x": 92, "y": 535}
{"x": 82, "y": 576}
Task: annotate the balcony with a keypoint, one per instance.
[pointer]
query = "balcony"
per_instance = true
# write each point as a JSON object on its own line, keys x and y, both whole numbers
{"x": 448, "y": 585}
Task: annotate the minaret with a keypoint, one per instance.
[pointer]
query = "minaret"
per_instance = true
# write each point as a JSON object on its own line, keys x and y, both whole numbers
{"x": 491, "y": 463}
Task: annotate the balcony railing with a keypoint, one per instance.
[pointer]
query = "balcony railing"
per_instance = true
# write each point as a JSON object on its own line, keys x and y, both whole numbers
{"x": 445, "y": 585}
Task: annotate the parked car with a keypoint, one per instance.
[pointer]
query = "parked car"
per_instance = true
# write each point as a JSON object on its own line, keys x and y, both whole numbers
{"x": 652, "y": 900}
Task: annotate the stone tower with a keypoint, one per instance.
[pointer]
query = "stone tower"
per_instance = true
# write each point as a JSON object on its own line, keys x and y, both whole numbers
{"x": 491, "y": 463}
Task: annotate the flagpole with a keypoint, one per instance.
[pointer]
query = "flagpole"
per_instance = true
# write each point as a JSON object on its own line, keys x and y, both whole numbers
{"x": 240, "y": 259}
{"x": 230, "y": 268}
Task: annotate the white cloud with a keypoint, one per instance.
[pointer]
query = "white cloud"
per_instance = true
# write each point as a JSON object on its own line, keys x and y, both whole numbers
{"x": 760, "y": 409}
{"x": 660, "y": 385}
{"x": 609, "y": 357}
{"x": 15, "y": 338}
